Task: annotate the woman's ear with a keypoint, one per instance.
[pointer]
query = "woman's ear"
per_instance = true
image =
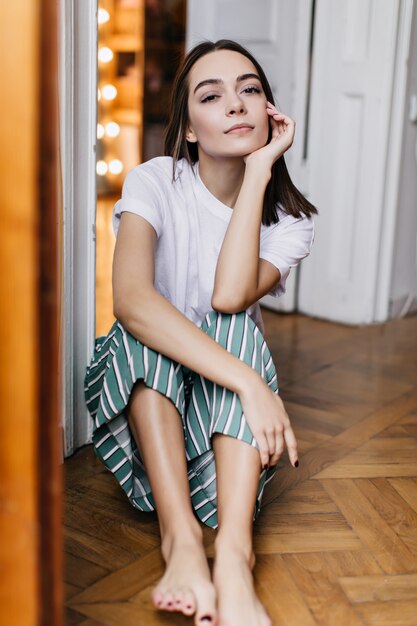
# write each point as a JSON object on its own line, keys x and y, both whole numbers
{"x": 189, "y": 135}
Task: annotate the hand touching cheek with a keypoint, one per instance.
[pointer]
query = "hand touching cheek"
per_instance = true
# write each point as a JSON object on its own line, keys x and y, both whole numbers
{"x": 283, "y": 129}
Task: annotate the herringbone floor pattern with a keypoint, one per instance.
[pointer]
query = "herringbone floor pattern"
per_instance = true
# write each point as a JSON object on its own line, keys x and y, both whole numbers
{"x": 336, "y": 541}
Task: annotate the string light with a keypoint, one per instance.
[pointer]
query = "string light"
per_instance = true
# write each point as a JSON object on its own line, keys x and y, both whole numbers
{"x": 109, "y": 92}
{"x": 115, "y": 166}
{"x": 101, "y": 168}
{"x": 103, "y": 16}
{"x": 105, "y": 54}
{"x": 112, "y": 129}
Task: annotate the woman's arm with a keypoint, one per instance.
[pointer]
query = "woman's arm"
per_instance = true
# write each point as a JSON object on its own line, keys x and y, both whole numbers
{"x": 149, "y": 317}
{"x": 242, "y": 278}
{"x": 156, "y": 322}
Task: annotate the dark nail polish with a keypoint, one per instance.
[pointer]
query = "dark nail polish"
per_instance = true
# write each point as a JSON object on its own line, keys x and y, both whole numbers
{"x": 265, "y": 467}
{"x": 206, "y": 618}
{"x": 296, "y": 463}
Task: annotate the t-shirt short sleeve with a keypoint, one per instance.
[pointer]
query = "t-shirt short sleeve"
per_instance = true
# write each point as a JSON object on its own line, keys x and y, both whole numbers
{"x": 140, "y": 195}
{"x": 285, "y": 244}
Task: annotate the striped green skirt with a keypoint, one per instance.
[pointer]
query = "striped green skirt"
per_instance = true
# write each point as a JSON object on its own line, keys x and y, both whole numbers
{"x": 205, "y": 408}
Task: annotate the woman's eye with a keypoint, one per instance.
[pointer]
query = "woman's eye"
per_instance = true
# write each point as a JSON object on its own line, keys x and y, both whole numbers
{"x": 209, "y": 98}
{"x": 249, "y": 90}
{"x": 252, "y": 90}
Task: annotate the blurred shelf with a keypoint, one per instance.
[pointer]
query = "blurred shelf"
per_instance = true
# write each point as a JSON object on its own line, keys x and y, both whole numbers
{"x": 125, "y": 42}
{"x": 127, "y": 116}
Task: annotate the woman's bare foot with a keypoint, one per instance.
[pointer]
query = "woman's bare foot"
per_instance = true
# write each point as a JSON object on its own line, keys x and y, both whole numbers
{"x": 233, "y": 580}
{"x": 186, "y": 585}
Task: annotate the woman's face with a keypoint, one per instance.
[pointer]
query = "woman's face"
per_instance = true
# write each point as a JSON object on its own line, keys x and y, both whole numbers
{"x": 225, "y": 90}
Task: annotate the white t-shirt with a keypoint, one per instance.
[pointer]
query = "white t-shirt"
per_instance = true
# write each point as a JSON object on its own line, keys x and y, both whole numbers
{"x": 191, "y": 224}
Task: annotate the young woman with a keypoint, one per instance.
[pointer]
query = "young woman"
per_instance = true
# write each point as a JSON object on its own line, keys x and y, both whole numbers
{"x": 183, "y": 390}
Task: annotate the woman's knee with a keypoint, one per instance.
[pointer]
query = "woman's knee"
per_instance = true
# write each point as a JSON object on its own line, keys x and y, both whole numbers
{"x": 230, "y": 329}
{"x": 240, "y": 335}
{"x": 143, "y": 395}
{"x": 134, "y": 398}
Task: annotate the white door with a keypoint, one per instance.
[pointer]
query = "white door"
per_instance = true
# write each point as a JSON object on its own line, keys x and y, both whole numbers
{"x": 349, "y": 129}
{"x": 267, "y": 28}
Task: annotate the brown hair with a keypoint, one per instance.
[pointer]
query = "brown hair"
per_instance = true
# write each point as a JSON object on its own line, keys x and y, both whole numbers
{"x": 280, "y": 188}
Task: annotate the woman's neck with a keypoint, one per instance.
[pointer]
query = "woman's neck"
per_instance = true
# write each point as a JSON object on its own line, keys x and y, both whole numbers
{"x": 222, "y": 177}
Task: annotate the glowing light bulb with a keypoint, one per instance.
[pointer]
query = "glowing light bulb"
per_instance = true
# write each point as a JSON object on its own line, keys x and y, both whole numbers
{"x": 101, "y": 168}
{"x": 109, "y": 92}
{"x": 115, "y": 166}
{"x": 98, "y": 94}
{"x": 112, "y": 129}
{"x": 105, "y": 54}
{"x": 103, "y": 16}
{"x": 100, "y": 131}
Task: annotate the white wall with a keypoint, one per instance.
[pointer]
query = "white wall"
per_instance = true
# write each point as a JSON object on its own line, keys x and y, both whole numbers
{"x": 403, "y": 293}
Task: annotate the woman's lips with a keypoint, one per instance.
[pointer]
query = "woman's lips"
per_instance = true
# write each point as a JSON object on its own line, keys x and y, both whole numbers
{"x": 241, "y": 128}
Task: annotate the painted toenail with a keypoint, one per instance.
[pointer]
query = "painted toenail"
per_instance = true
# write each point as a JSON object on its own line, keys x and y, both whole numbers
{"x": 206, "y": 618}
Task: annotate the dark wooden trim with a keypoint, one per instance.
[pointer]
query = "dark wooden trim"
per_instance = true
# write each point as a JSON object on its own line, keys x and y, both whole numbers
{"x": 19, "y": 311}
{"x": 50, "y": 433}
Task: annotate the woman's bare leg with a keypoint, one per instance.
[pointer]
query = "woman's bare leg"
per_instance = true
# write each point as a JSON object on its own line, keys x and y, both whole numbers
{"x": 157, "y": 428}
{"x": 238, "y": 469}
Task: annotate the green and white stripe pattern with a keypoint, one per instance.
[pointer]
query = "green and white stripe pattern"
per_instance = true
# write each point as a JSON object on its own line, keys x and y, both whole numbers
{"x": 119, "y": 360}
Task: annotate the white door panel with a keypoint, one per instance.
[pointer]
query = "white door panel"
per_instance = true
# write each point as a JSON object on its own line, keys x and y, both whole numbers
{"x": 354, "y": 53}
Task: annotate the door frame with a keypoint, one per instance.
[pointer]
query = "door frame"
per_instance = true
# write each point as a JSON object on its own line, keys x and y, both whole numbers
{"x": 78, "y": 131}
{"x": 382, "y": 304}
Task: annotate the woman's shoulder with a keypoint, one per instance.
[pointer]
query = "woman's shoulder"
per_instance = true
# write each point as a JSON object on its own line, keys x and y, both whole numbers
{"x": 288, "y": 224}
{"x": 284, "y": 219}
{"x": 161, "y": 167}
{"x": 155, "y": 167}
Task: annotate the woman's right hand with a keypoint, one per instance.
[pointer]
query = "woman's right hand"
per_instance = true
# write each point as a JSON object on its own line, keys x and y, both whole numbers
{"x": 269, "y": 422}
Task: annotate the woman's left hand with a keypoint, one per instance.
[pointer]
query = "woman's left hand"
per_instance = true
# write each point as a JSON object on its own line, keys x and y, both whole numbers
{"x": 283, "y": 129}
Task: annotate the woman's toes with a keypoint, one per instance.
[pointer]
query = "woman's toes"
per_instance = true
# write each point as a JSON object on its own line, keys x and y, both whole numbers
{"x": 206, "y": 615}
{"x": 169, "y": 601}
{"x": 207, "y": 619}
{"x": 188, "y": 603}
{"x": 178, "y": 600}
{"x": 157, "y": 598}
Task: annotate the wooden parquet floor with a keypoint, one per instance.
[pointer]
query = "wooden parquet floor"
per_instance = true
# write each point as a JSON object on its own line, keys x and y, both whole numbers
{"x": 336, "y": 541}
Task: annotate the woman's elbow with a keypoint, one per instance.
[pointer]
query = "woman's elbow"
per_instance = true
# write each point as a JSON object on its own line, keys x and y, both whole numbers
{"x": 223, "y": 305}
{"x": 125, "y": 307}
{"x": 119, "y": 311}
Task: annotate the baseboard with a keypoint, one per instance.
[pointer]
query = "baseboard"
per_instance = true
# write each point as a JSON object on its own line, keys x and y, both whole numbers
{"x": 402, "y": 306}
